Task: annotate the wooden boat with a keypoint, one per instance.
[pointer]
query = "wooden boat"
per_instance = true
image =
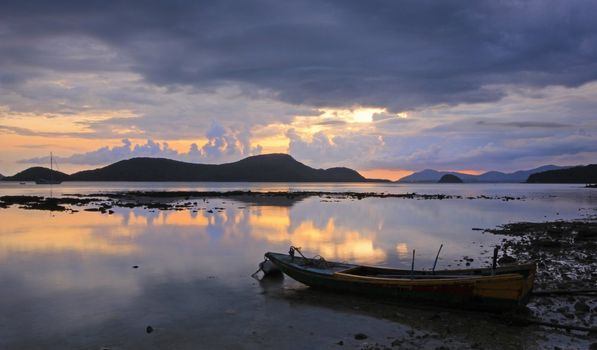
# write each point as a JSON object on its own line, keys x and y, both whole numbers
{"x": 487, "y": 289}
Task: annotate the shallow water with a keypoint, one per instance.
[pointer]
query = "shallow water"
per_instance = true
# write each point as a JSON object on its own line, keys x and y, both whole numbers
{"x": 67, "y": 279}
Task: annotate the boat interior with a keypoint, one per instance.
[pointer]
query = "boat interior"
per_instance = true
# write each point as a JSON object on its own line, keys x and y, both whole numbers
{"x": 380, "y": 272}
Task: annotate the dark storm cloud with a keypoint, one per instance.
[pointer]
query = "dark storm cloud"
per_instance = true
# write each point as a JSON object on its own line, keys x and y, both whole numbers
{"x": 544, "y": 125}
{"x": 28, "y": 132}
{"x": 400, "y": 55}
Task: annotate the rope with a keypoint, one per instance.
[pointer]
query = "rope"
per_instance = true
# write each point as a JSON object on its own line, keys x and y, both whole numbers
{"x": 254, "y": 275}
{"x": 317, "y": 261}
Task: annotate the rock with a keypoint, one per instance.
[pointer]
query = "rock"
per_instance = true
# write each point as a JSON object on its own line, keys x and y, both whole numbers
{"x": 547, "y": 243}
{"x": 360, "y": 336}
{"x": 149, "y": 329}
{"x": 581, "y": 307}
{"x": 135, "y": 266}
{"x": 340, "y": 343}
{"x": 435, "y": 317}
{"x": 506, "y": 259}
{"x": 396, "y": 342}
{"x": 586, "y": 234}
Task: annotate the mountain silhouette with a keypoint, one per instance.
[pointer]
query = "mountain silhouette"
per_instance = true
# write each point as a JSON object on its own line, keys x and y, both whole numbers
{"x": 450, "y": 179}
{"x": 36, "y": 173}
{"x": 262, "y": 168}
{"x": 269, "y": 167}
{"x": 430, "y": 175}
{"x": 579, "y": 174}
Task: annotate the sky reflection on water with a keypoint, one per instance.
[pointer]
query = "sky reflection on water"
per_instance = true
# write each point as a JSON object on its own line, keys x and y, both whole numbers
{"x": 62, "y": 272}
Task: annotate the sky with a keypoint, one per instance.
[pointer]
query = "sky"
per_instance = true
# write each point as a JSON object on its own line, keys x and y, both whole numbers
{"x": 383, "y": 87}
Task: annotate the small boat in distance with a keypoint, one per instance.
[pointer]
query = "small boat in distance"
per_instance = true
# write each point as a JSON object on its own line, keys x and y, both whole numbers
{"x": 50, "y": 180}
{"x": 488, "y": 289}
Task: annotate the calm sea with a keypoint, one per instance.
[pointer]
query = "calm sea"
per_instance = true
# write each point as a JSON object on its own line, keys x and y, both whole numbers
{"x": 66, "y": 279}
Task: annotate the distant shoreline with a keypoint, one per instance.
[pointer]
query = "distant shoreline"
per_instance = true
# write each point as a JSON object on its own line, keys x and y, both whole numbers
{"x": 170, "y": 200}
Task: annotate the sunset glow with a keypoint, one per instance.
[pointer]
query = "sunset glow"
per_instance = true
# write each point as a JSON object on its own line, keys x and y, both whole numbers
{"x": 196, "y": 174}
{"x": 92, "y": 99}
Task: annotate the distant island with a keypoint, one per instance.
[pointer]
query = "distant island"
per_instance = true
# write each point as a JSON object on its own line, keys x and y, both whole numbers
{"x": 450, "y": 179}
{"x": 36, "y": 173}
{"x": 262, "y": 168}
{"x": 279, "y": 167}
{"x": 433, "y": 176}
{"x": 580, "y": 174}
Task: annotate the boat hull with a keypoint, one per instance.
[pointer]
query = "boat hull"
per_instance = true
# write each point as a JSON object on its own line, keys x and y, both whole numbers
{"x": 490, "y": 293}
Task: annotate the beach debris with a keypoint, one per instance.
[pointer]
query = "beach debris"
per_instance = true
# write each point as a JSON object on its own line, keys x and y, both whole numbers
{"x": 397, "y": 342}
{"x": 360, "y": 336}
{"x": 135, "y": 266}
{"x": 149, "y": 329}
{"x": 581, "y": 307}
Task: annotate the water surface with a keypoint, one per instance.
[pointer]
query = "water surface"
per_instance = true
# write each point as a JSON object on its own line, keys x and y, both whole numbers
{"x": 67, "y": 279}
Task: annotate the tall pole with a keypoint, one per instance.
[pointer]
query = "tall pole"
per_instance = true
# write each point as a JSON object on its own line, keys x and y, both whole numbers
{"x": 412, "y": 266}
{"x": 51, "y": 166}
{"x": 436, "y": 257}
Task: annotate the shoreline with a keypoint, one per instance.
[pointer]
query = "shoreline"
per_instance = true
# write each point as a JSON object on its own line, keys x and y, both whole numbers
{"x": 158, "y": 199}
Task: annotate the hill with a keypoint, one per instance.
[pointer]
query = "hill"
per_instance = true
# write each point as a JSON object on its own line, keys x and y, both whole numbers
{"x": 262, "y": 168}
{"x": 430, "y": 175}
{"x": 36, "y": 173}
{"x": 450, "y": 179}
{"x": 580, "y": 174}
